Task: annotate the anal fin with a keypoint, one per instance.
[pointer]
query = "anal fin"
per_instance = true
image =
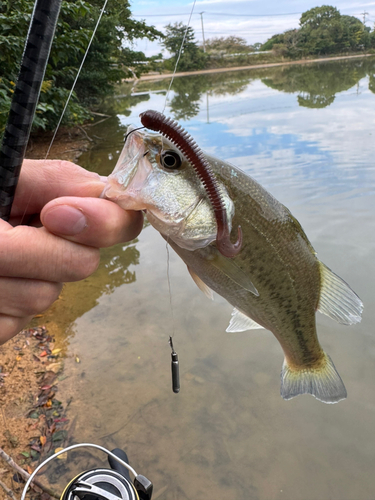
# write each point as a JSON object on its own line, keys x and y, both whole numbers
{"x": 239, "y": 322}
{"x": 337, "y": 300}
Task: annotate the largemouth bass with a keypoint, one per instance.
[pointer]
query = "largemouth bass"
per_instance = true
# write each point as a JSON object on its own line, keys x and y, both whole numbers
{"x": 275, "y": 282}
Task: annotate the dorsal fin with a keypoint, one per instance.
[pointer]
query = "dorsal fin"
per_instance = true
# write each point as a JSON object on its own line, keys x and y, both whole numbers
{"x": 239, "y": 322}
{"x": 337, "y": 300}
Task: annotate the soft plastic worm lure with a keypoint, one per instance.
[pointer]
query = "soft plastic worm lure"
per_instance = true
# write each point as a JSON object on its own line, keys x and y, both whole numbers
{"x": 158, "y": 122}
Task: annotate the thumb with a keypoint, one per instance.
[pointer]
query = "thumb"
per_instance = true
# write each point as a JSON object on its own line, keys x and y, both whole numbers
{"x": 91, "y": 221}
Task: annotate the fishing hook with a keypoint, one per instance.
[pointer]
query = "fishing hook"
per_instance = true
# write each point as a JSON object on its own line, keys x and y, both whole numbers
{"x": 134, "y": 129}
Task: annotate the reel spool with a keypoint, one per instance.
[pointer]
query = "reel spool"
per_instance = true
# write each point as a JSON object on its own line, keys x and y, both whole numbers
{"x": 101, "y": 483}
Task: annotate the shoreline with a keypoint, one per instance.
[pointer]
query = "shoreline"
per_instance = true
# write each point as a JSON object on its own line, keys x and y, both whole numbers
{"x": 242, "y": 68}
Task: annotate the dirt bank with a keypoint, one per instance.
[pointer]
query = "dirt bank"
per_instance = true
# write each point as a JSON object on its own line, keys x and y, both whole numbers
{"x": 33, "y": 421}
{"x": 69, "y": 144}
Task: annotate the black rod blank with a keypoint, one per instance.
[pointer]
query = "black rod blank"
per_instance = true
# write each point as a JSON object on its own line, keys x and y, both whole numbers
{"x": 25, "y": 98}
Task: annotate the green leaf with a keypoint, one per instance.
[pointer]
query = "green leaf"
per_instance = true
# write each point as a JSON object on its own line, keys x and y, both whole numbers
{"x": 59, "y": 436}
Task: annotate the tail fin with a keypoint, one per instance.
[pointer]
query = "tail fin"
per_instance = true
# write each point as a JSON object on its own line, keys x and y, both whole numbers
{"x": 323, "y": 382}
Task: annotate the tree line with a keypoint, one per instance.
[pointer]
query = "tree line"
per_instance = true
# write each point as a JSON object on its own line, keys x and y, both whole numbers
{"x": 322, "y": 31}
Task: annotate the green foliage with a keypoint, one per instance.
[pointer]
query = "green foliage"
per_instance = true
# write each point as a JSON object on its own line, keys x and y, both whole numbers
{"x": 319, "y": 16}
{"x": 268, "y": 45}
{"x": 109, "y": 60}
{"x": 227, "y": 45}
{"x": 192, "y": 57}
{"x": 323, "y": 31}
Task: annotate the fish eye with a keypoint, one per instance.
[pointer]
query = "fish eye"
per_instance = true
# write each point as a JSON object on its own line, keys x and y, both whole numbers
{"x": 170, "y": 159}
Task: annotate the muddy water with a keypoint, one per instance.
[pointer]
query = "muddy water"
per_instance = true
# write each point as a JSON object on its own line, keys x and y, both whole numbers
{"x": 307, "y": 134}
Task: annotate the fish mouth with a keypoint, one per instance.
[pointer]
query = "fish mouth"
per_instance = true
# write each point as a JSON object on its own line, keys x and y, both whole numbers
{"x": 127, "y": 165}
{"x": 132, "y": 152}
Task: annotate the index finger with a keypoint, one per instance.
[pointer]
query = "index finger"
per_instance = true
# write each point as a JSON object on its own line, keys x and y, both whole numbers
{"x": 44, "y": 180}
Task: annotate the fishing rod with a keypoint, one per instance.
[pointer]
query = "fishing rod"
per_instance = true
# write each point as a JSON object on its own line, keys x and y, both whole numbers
{"x": 25, "y": 98}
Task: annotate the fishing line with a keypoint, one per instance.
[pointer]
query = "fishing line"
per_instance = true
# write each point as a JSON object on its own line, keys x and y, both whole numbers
{"x": 67, "y": 102}
{"x": 134, "y": 129}
{"x": 175, "y": 367}
{"x": 25, "y": 98}
{"x": 169, "y": 287}
{"x": 175, "y": 362}
{"x": 76, "y": 78}
{"x": 178, "y": 57}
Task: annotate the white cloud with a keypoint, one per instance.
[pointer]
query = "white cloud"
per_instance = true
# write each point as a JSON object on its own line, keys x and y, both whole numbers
{"x": 202, "y": 2}
{"x": 267, "y": 20}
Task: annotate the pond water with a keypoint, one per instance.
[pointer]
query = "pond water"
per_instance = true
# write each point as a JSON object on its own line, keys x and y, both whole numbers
{"x": 306, "y": 133}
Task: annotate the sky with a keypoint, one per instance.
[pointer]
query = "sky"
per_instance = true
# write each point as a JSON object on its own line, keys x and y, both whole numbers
{"x": 254, "y": 20}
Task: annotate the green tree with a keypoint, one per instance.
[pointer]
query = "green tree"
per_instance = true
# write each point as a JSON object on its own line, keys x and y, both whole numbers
{"x": 192, "y": 57}
{"x": 323, "y": 30}
{"x": 106, "y": 64}
{"x": 268, "y": 45}
{"x": 228, "y": 45}
{"x": 320, "y": 30}
{"x": 319, "y": 16}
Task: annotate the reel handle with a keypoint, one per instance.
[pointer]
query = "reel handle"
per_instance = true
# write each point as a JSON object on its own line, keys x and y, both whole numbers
{"x": 117, "y": 466}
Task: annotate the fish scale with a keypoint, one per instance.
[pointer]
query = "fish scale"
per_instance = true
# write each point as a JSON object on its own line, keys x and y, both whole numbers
{"x": 279, "y": 264}
{"x": 276, "y": 280}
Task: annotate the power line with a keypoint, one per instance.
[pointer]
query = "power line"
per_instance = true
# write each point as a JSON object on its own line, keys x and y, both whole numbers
{"x": 253, "y": 15}
{"x": 243, "y": 32}
{"x": 179, "y": 14}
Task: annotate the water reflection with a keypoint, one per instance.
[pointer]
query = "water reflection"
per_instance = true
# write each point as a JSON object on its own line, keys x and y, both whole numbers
{"x": 228, "y": 434}
{"x": 115, "y": 269}
{"x": 316, "y": 85}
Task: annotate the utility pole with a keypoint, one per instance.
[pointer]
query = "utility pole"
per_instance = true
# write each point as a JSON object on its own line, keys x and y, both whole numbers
{"x": 364, "y": 13}
{"x": 204, "y": 44}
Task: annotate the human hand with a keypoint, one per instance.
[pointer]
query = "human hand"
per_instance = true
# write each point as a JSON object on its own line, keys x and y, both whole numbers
{"x": 35, "y": 261}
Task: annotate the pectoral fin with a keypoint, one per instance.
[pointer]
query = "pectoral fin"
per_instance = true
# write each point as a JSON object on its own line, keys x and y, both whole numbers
{"x": 234, "y": 272}
{"x": 337, "y": 300}
{"x": 201, "y": 285}
{"x": 239, "y": 322}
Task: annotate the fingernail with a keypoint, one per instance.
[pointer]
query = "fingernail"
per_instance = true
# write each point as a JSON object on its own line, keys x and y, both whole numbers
{"x": 65, "y": 220}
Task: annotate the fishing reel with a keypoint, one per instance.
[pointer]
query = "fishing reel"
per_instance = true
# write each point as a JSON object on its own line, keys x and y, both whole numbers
{"x": 101, "y": 483}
